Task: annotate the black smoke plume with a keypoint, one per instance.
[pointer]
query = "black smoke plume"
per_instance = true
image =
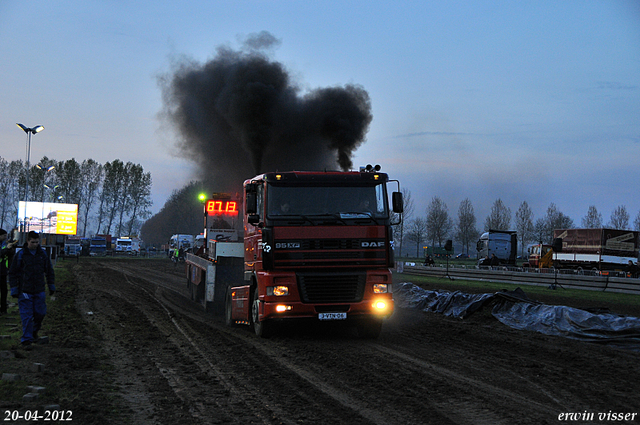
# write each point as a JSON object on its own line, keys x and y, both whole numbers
{"x": 240, "y": 114}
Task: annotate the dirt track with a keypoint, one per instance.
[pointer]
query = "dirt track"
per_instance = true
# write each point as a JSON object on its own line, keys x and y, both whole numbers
{"x": 173, "y": 364}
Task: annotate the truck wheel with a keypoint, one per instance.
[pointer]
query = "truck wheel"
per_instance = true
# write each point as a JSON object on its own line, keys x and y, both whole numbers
{"x": 262, "y": 329}
{"x": 369, "y": 329}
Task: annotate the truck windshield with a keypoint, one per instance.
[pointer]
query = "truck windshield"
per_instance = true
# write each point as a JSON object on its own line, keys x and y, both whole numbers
{"x": 341, "y": 202}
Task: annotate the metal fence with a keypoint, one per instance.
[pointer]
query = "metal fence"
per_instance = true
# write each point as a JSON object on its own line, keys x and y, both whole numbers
{"x": 568, "y": 279}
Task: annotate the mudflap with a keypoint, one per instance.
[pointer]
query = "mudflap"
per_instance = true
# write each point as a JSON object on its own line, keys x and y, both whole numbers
{"x": 228, "y": 271}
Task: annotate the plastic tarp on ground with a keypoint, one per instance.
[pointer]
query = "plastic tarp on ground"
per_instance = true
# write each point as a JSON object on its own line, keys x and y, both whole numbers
{"x": 515, "y": 309}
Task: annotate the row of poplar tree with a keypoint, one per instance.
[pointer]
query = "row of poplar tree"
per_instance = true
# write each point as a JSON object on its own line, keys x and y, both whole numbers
{"x": 438, "y": 226}
{"x": 113, "y": 198}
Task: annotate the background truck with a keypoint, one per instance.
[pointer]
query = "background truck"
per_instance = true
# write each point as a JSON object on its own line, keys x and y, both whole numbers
{"x": 595, "y": 249}
{"x": 73, "y": 246}
{"x": 177, "y": 241}
{"x": 127, "y": 245}
{"x": 315, "y": 246}
{"x": 502, "y": 243}
{"x": 540, "y": 256}
{"x": 109, "y": 242}
{"x": 98, "y": 246}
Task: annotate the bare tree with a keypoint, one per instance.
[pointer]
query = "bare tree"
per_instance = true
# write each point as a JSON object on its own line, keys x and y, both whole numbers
{"x": 466, "y": 230}
{"x": 417, "y": 232}
{"x": 540, "y": 231}
{"x": 408, "y": 210}
{"x": 6, "y": 181}
{"x": 91, "y": 180}
{"x": 42, "y": 179}
{"x": 499, "y": 218}
{"x": 636, "y": 223}
{"x": 140, "y": 195}
{"x": 439, "y": 225}
{"x": 554, "y": 219}
{"x": 124, "y": 199}
{"x": 69, "y": 181}
{"x": 593, "y": 219}
{"x": 619, "y": 218}
{"x": 112, "y": 188}
{"x": 12, "y": 191}
{"x": 524, "y": 224}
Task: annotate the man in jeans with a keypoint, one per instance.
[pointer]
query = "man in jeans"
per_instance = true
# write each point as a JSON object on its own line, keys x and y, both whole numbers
{"x": 27, "y": 275}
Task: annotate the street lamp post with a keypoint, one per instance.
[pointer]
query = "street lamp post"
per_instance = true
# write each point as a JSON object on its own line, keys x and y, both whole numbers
{"x": 29, "y": 131}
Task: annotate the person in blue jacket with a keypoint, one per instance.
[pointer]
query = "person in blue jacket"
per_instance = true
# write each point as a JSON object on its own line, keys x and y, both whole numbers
{"x": 30, "y": 266}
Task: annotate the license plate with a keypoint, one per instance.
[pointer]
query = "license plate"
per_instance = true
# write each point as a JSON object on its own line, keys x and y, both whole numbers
{"x": 332, "y": 316}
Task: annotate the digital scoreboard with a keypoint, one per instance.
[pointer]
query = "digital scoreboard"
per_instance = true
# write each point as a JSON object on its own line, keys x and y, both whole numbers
{"x": 221, "y": 207}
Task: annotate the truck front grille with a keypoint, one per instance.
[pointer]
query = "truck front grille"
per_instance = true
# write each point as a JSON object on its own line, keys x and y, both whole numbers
{"x": 331, "y": 287}
{"x": 330, "y": 252}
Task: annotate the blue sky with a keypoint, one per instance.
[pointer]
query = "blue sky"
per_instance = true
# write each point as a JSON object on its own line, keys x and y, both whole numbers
{"x": 533, "y": 101}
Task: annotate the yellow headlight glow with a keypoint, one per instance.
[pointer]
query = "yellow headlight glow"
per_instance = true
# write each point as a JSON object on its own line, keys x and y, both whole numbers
{"x": 380, "y": 305}
{"x": 283, "y": 308}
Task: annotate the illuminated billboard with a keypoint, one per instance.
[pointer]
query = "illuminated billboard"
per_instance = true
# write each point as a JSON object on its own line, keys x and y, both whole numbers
{"x": 48, "y": 217}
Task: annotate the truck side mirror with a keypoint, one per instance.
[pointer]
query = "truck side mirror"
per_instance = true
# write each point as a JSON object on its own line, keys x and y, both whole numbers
{"x": 398, "y": 204}
{"x": 251, "y": 203}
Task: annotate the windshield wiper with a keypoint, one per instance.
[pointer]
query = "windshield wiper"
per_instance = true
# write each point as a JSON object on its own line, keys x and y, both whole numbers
{"x": 359, "y": 215}
{"x": 294, "y": 219}
{"x": 325, "y": 216}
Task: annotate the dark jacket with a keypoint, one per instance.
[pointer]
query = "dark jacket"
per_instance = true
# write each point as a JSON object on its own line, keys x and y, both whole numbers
{"x": 28, "y": 271}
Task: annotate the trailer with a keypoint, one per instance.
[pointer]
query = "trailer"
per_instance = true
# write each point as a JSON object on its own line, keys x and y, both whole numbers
{"x": 595, "y": 249}
{"x": 315, "y": 246}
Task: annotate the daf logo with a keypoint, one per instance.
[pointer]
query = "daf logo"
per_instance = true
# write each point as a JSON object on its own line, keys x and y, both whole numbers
{"x": 372, "y": 244}
{"x": 288, "y": 245}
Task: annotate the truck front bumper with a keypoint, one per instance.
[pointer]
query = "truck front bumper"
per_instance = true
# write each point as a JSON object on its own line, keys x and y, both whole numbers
{"x": 379, "y": 307}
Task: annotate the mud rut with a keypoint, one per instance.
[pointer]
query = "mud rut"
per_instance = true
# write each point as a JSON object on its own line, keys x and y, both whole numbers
{"x": 177, "y": 365}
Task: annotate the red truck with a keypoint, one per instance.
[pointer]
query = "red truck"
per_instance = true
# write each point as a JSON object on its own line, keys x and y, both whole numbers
{"x": 317, "y": 245}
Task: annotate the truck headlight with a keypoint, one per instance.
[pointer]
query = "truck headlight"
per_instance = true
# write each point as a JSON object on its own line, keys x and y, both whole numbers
{"x": 380, "y": 288}
{"x": 278, "y": 291}
{"x": 282, "y": 308}
{"x": 379, "y": 305}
